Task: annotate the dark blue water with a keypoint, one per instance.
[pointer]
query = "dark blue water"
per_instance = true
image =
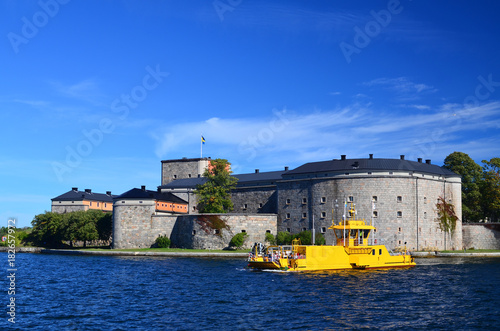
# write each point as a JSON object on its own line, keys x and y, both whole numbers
{"x": 58, "y": 292}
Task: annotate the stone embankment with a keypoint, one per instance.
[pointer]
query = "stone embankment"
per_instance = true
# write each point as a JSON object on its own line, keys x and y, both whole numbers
{"x": 464, "y": 254}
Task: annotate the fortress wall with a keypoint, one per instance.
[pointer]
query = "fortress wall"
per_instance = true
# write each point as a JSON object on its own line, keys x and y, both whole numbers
{"x": 404, "y": 206}
{"x": 254, "y": 200}
{"x": 481, "y": 236}
{"x": 132, "y": 224}
{"x": 135, "y": 226}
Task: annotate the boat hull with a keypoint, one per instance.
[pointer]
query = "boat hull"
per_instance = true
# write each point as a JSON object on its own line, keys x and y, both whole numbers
{"x": 315, "y": 258}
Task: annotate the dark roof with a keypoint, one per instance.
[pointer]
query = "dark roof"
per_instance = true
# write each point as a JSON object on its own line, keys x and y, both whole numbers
{"x": 257, "y": 177}
{"x": 137, "y": 193}
{"x": 371, "y": 164}
{"x": 75, "y": 195}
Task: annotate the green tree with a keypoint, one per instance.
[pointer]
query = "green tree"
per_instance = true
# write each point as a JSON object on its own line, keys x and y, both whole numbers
{"x": 48, "y": 229}
{"x": 214, "y": 194}
{"x": 283, "y": 238}
{"x": 471, "y": 174}
{"x": 238, "y": 240}
{"x": 270, "y": 239}
{"x": 490, "y": 189}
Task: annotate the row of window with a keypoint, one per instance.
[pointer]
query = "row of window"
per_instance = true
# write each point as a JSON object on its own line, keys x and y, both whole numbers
{"x": 399, "y": 214}
{"x": 245, "y": 206}
{"x": 399, "y": 199}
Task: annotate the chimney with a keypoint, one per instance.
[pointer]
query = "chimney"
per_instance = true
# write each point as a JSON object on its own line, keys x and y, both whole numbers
{"x": 256, "y": 171}
{"x": 371, "y": 156}
{"x": 402, "y": 157}
{"x": 74, "y": 189}
{"x": 286, "y": 168}
{"x": 143, "y": 187}
{"x": 108, "y": 192}
{"x": 342, "y": 157}
{"x": 419, "y": 160}
{"x": 87, "y": 190}
{"x": 428, "y": 161}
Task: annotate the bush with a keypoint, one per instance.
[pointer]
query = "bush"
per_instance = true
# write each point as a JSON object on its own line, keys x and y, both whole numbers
{"x": 238, "y": 240}
{"x": 304, "y": 236}
{"x": 320, "y": 239}
{"x": 270, "y": 238}
{"x": 283, "y": 238}
{"x": 162, "y": 242}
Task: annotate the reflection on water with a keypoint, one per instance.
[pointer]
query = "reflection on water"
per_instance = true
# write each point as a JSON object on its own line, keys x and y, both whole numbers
{"x": 92, "y": 292}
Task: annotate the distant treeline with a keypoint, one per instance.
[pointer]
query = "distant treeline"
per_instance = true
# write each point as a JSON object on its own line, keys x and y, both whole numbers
{"x": 480, "y": 187}
{"x": 53, "y": 229}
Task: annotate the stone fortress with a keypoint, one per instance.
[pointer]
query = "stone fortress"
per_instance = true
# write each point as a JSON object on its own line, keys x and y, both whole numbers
{"x": 398, "y": 196}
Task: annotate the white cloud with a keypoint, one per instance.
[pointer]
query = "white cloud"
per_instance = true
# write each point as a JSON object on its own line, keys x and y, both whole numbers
{"x": 289, "y": 138}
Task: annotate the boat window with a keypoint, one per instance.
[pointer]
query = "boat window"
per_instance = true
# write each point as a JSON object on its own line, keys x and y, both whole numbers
{"x": 373, "y": 252}
{"x": 380, "y": 251}
{"x": 353, "y": 234}
{"x": 338, "y": 233}
{"x": 366, "y": 233}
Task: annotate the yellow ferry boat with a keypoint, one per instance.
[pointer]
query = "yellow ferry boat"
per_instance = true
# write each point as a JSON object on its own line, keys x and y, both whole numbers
{"x": 353, "y": 249}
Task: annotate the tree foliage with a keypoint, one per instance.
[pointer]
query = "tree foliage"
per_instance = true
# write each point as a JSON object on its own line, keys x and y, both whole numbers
{"x": 51, "y": 229}
{"x": 471, "y": 174}
{"x": 238, "y": 240}
{"x": 214, "y": 194}
{"x": 490, "y": 188}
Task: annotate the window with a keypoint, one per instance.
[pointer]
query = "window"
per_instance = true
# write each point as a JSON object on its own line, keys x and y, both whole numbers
{"x": 375, "y": 214}
{"x": 304, "y": 201}
{"x": 216, "y": 231}
{"x": 425, "y": 199}
{"x": 288, "y": 201}
{"x": 425, "y": 214}
{"x": 323, "y": 229}
{"x": 287, "y": 216}
{"x": 351, "y": 198}
{"x": 323, "y": 214}
{"x": 268, "y": 231}
{"x": 400, "y": 198}
{"x": 260, "y": 205}
{"x": 304, "y": 215}
{"x": 175, "y": 176}
{"x": 245, "y": 206}
{"x": 374, "y": 198}
{"x": 98, "y": 204}
{"x": 323, "y": 199}
{"x": 244, "y": 231}
{"x": 304, "y": 229}
{"x": 288, "y": 230}
{"x": 91, "y": 203}
{"x": 399, "y": 242}
{"x": 347, "y": 174}
{"x": 400, "y": 230}
{"x": 400, "y": 214}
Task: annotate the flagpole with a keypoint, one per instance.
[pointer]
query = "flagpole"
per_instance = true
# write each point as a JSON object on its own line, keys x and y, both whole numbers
{"x": 201, "y": 146}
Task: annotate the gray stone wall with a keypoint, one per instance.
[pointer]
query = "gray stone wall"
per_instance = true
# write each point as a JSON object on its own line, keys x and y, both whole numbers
{"x": 182, "y": 168}
{"x": 255, "y": 200}
{"x": 404, "y": 207}
{"x": 481, "y": 236}
{"x": 136, "y": 226}
{"x": 68, "y": 208}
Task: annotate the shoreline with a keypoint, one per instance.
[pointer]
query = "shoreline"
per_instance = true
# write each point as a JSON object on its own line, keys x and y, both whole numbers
{"x": 42, "y": 250}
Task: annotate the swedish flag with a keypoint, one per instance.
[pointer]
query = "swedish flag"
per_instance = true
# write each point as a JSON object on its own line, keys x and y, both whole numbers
{"x": 202, "y": 140}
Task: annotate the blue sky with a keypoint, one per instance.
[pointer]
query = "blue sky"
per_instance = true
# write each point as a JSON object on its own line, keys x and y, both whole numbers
{"x": 94, "y": 94}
